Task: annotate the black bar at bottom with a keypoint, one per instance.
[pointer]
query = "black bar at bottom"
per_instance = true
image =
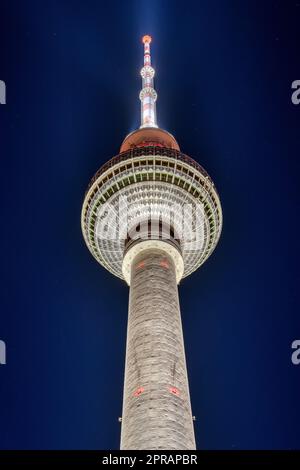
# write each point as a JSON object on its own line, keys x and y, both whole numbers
{"x": 133, "y": 459}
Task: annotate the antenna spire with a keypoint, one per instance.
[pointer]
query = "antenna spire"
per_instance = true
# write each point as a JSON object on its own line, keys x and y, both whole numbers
{"x": 148, "y": 95}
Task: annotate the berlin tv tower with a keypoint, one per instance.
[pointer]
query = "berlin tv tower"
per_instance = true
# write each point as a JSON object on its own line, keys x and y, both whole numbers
{"x": 152, "y": 216}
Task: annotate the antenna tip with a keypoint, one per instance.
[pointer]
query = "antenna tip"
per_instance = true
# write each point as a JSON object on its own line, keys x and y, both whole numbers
{"x": 146, "y": 38}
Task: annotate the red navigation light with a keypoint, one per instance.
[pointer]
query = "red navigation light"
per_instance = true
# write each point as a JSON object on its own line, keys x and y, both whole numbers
{"x": 164, "y": 263}
{"x": 147, "y": 38}
{"x": 150, "y": 144}
{"x": 138, "y": 392}
{"x": 141, "y": 264}
{"x": 174, "y": 390}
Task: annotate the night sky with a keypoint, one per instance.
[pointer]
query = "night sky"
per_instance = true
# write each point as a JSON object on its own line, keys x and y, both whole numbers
{"x": 224, "y": 71}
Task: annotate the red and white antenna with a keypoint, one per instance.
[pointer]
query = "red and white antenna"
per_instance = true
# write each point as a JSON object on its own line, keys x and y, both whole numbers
{"x": 148, "y": 95}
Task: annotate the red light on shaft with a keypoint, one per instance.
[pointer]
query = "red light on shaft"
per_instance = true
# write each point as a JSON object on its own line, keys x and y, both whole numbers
{"x": 141, "y": 264}
{"x": 164, "y": 263}
{"x": 138, "y": 391}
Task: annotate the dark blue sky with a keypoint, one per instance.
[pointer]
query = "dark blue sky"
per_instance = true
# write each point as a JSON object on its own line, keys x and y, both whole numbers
{"x": 223, "y": 74}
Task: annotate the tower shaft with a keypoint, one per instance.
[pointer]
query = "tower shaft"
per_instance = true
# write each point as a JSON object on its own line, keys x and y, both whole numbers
{"x": 156, "y": 403}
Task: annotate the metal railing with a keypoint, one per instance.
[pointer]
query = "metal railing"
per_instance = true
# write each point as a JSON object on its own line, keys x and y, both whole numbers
{"x": 148, "y": 151}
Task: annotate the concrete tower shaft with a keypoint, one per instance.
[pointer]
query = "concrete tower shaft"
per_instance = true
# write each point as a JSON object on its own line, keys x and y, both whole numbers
{"x": 156, "y": 405}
